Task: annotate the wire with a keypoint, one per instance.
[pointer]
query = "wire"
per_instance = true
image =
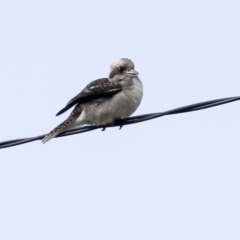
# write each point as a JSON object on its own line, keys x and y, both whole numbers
{"x": 127, "y": 121}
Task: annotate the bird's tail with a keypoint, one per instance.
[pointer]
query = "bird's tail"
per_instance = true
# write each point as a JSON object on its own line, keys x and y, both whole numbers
{"x": 57, "y": 130}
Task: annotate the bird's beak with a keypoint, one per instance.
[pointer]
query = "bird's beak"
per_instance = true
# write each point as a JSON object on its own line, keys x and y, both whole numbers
{"x": 132, "y": 73}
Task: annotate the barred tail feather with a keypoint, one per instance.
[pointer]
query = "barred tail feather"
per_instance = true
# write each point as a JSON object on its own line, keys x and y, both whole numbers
{"x": 60, "y": 128}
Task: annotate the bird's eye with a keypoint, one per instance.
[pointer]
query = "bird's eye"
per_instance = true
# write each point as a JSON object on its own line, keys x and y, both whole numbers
{"x": 120, "y": 69}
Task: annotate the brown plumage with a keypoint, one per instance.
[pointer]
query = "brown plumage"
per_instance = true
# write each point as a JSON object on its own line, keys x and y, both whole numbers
{"x": 94, "y": 90}
{"x": 61, "y": 127}
{"x": 104, "y": 100}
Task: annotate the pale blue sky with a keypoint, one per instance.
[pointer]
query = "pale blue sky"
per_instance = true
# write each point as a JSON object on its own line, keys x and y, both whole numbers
{"x": 175, "y": 177}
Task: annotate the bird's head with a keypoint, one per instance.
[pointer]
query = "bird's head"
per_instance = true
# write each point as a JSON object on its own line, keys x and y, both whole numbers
{"x": 122, "y": 71}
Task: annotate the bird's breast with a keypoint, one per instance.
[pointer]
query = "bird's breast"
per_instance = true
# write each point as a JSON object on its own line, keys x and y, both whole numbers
{"x": 121, "y": 105}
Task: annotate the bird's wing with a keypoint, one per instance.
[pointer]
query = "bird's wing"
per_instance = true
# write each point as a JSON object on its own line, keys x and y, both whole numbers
{"x": 96, "y": 89}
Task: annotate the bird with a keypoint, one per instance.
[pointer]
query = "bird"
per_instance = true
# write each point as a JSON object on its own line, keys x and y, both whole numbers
{"x": 105, "y": 100}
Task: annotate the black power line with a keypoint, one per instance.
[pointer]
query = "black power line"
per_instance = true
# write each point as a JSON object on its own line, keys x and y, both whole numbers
{"x": 128, "y": 121}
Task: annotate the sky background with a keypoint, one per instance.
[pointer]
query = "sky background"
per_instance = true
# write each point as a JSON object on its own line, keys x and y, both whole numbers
{"x": 175, "y": 177}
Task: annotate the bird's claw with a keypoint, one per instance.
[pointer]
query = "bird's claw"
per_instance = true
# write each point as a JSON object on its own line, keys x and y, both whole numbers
{"x": 120, "y": 127}
{"x": 104, "y": 128}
